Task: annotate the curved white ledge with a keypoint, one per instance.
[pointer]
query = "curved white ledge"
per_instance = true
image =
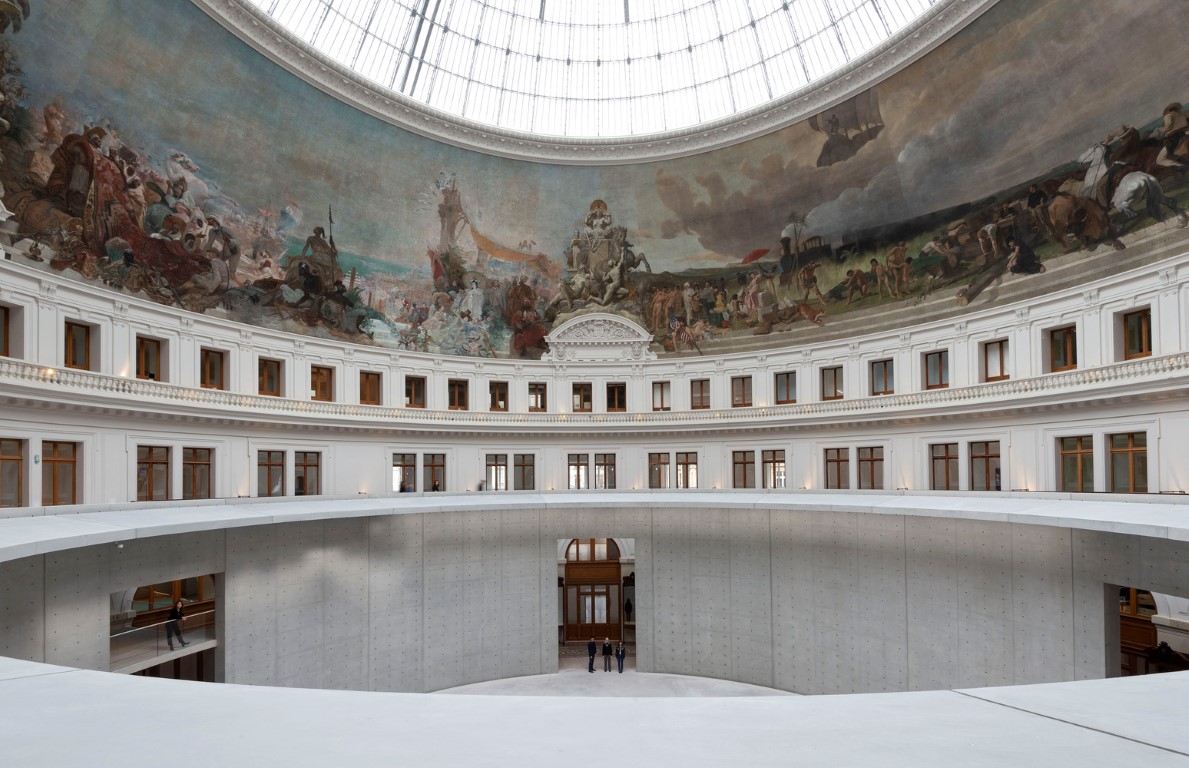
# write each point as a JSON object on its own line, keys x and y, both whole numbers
{"x": 275, "y": 42}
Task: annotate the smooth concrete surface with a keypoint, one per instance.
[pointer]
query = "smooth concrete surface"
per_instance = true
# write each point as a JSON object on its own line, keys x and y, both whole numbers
{"x": 629, "y": 684}
{"x": 58, "y": 719}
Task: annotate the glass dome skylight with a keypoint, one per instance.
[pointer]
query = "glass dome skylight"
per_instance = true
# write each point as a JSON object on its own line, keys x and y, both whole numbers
{"x": 593, "y": 68}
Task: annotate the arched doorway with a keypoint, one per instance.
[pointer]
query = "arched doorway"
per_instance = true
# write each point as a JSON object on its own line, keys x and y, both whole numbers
{"x": 593, "y": 591}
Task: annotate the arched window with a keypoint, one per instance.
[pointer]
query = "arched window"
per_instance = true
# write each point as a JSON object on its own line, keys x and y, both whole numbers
{"x": 592, "y": 550}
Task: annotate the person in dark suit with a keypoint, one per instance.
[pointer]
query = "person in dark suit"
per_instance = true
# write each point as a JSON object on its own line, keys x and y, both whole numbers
{"x": 607, "y": 654}
{"x": 591, "y": 649}
{"x": 621, "y": 654}
{"x": 173, "y": 626}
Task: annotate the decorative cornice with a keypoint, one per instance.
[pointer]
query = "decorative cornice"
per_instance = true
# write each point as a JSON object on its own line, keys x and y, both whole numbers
{"x": 599, "y": 337}
{"x": 272, "y": 40}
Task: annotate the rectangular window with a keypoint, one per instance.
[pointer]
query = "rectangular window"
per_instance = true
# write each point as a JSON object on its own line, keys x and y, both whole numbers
{"x": 538, "y": 402}
{"x": 832, "y": 383}
{"x": 434, "y": 466}
{"x": 370, "y": 383}
{"x": 984, "y": 466}
{"x": 148, "y": 359}
{"x": 937, "y": 369}
{"x": 269, "y": 377}
{"x": 583, "y": 398}
{"x": 198, "y": 473}
{"x": 699, "y": 394}
{"x": 457, "y": 395}
{"x": 658, "y": 470}
{"x": 883, "y": 380}
{"x": 212, "y": 365}
{"x": 152, "y": 473}
{"x": 414, "y": 391}
{"x": 1063, "y": 349}
{"x": 774, "y": 468}
{"x": 524, "y": 472}
{"x": 5, "y": 327}
{"x": 12, "y": 473}
{"x": 617, "y": 397}
{"x": 498, "y": 395}
{"x": 743, "y": 469}
{"x": 404, "y": 472}
{"x": 321, "y": 383}
{"x": 838, "y": 468}
{"x": 578, "y": 471}
{"x": 59, "y": 473}
{"x": 943, "y": 467}
{"x": 687, "y": 469}
{"x": 661, "y": 396}
{"x": 1129, "y": 462}
{"x": 604, "y": 477}
{"x": 995, "y": 360}
{"x": 1137, "y": 334}
{"x": 786, "y": 388}
{"x": 740, "y": 391}
{"x": 78, "y": 346}
{"x": 270, "y": 473}
{"x": 871, "y": 468}
{"x": 307, "y": 473}
{"x": 1077, "y": 464}
{"x": 497, "y": 471}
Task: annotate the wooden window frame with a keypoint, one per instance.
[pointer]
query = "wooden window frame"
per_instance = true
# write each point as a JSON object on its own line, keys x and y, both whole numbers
{"x": 833, "y": 374}
{"x": 741, "y": 392}
{"x": 497, "y": 392}
{"x": 941, "y": 358}
{"x": 433, "y": 468}
{"x": 193, "y": 459}
{"x": 582, "y": 397}
{"x": 524, "y": 471}
{"x": 146, "y": 347}
{"x": 870, "y": 467}
{"x": 604, "y": 471}
{"x": 273, "y": 464}
{"x": 769, "y": 461}
{"x": 206, "y": 379}
{"x": 837, "y": 466}
{"x": 538, "y": 397}
{"x": 12, "y": 452}
{"x": 786, "y": 381}
{"x": 68, "y": 359}
{"x": 743, "y": 469}
{"x": 685, "y": 462}
{"x": 148, "y": 458}
{"x": 415, "y": 387}
{"x": 263, "y": 365}
{"x": 407, "y": 463}
{"x": 662, "y": 395}
{"x": 658, "y": 470}
{"x": 1081, "y": 452}
{"x": 496, "y": 477}
{"x": 699, "y": 394}
{"x": 1066, "y": 339}
{"x": 307, "y": 465}
{"x": 617, "y": 397}
{"x": 1144, "y": 318}
{"x": 1001, "y": 346}
{"x": 985, "y": 465}
{"x": 5, "y": 331}
{"x": 947, "y": 460}
{"x": 50, "y": 460}
{"x": 458, "y": 395}
{"x": 371, "y": 388}
{"x": 578, "y": 471}
{"x": 887, "y": 368}
{"x": 1129, "y": 453}
{"x": 321, "y": 384}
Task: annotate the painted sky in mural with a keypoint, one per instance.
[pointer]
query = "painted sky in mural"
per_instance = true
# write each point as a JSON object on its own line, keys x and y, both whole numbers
{"x": 154, "y": 153}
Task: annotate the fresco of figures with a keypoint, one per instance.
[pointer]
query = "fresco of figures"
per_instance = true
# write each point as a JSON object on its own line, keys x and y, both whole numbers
{"x": 182, "y": 167}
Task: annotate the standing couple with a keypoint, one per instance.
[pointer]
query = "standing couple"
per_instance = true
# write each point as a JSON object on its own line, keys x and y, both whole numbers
{"x": 620, "y": 651}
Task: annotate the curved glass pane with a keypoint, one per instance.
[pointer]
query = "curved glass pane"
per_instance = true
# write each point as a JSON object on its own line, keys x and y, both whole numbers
{"x": 594, "y": 68}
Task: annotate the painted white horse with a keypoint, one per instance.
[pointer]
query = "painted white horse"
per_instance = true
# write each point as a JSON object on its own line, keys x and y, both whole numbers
{"x": 1094, "y": 185}
{"x": 1138, "y": 184}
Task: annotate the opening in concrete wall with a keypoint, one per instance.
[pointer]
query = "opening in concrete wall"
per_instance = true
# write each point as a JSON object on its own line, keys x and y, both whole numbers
{"x": 1153, "y": 632}
{"x": 596, "y": 590}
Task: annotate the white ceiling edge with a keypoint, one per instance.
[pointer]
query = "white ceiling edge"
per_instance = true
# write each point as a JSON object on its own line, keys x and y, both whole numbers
{"x": 272, "y": 40}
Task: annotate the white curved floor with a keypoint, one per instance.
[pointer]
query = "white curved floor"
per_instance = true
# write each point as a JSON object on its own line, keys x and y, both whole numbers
{"x": 632, "y": 684}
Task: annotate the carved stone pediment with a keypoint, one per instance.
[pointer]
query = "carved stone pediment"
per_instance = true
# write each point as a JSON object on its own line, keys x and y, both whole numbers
{"x": 599, "y": 336}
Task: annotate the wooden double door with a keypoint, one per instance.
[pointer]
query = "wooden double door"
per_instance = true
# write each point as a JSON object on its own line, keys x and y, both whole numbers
{"x": 593, "y": 602}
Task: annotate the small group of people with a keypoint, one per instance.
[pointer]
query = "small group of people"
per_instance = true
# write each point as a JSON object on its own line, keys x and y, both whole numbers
{"x": 620, "y": 651}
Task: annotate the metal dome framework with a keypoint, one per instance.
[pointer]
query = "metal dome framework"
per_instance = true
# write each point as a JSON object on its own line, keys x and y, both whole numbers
{"x": 597, "y": 68}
